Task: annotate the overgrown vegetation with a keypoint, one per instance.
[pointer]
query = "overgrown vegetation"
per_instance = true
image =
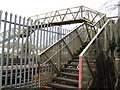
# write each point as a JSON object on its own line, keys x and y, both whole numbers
{"x": 118, "y": 48}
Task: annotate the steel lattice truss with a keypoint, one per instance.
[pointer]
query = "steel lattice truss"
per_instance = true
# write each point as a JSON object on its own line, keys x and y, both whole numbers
{"x": 68, "y": 16}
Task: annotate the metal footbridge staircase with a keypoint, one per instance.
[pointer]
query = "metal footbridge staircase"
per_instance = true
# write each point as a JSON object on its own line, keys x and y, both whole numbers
{"x": 46, "y": 57}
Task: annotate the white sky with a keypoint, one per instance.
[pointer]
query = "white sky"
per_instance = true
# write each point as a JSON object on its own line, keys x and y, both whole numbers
{"x": 33, "y": 7}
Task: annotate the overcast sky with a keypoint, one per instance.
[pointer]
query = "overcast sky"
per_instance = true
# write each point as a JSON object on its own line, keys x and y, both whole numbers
{"x": 33, "y": 7}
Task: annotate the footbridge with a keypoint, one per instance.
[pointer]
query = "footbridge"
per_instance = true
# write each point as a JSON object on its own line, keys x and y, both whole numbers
{"x": 37, "y": 52}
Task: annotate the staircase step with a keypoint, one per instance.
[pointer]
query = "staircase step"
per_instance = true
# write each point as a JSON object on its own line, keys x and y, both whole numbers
{"x": 71, "y": 81}
{"x": 76, "y": 54}
{"x": 74, "y": 61}
{"x": 92, "y": 63}
{"x": 55, "y": 85}
{"x": 70, "y": 69}
{"x": 71, "y": 65}
{"x": 69, "y": 74}
{"x": 79, "y": 51}
{"x": 84, "y": 84}
{"x": 75, "y": 57}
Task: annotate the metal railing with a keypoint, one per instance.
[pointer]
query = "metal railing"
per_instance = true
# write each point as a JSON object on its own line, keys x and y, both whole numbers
{"x": 95, "y": 59}
{"x": 21, "y": 41}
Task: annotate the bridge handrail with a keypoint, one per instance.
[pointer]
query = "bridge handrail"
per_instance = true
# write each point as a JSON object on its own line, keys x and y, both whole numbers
{"x": 94, "y": 38}
{"x": 89, "y": 48}
{"x": 67, "y": 8}
{"x": 47, "y": 56}
{"x": 62, "y": 47}
{"x": 60, "y": 39}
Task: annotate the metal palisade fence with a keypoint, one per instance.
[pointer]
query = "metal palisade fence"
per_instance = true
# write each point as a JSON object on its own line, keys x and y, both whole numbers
{"x": 21, "y": 41}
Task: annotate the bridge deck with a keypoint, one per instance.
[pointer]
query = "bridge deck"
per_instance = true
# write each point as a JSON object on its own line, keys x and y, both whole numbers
{"x": 81, "y": 20}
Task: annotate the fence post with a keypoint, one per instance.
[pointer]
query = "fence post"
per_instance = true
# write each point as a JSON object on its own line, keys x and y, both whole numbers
{"x": 59, "y": 47}
{"x": 80, "y": 72}
{"x": 81, "y": 11}
{"x": 0, "y": 75}
{"x": 1, "y": 62}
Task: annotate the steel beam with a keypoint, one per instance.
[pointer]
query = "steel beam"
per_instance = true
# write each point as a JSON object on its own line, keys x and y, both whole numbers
{"x": 88, "y": 32}
{"x": 79, "y": 38}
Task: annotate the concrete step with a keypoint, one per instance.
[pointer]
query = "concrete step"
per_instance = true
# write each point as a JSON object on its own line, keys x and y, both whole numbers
{"x": 71, "y": 81}
{"x": 75, "y": 65}
{"x": 69, "y": 69}
{"x": 69, "y": 74}
{"x": 55, "y": 85}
